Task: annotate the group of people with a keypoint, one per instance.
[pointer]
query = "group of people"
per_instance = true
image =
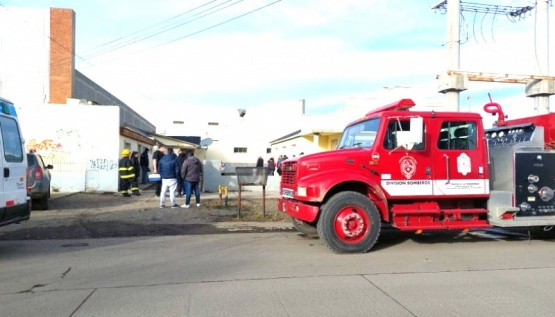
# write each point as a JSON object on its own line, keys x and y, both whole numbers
{"x": 280, "y": 160}
{"x": 179, "y": 174}
{"x": 271, "y": 164}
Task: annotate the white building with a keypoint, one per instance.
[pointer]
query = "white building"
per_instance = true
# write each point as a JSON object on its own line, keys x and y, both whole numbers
{"x": 77, "y": 125}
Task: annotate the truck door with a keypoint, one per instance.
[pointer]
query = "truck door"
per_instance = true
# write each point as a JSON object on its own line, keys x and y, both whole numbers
{"x": 460, "y": 159}
{"x": 407, "y": 172}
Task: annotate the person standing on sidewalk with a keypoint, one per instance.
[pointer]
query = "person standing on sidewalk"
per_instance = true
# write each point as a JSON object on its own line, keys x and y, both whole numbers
{"x": 143, "y": 160}
{"x": 181, "y": 157}
{"x": 191, "y": 173}
{"x": 127, "y": 175}
{"x": 136, "y": 167}
{"x": 156, "y": 156}
{"x": 169, "y": 170}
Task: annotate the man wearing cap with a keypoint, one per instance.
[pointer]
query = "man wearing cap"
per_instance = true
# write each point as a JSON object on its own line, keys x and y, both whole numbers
{"x": 127, "y": 175}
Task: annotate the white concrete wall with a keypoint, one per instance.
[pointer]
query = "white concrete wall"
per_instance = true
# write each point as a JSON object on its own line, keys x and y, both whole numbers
{"x": 24, "y": 55}
{"x": 82, "y": 142}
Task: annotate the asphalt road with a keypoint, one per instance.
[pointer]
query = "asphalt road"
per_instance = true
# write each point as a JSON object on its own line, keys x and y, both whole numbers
{"x": 278, "y": 274}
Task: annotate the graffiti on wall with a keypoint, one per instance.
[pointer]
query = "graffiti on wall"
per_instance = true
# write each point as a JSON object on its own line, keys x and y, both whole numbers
{"x": 102, "y": 164}
{"x": 60, "y": 147}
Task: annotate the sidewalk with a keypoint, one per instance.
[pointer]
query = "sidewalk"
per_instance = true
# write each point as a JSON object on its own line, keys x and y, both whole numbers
{"x": 148, "y": 190}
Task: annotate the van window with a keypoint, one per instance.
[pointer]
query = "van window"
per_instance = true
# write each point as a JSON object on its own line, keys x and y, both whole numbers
{"x": 11, "y": 140}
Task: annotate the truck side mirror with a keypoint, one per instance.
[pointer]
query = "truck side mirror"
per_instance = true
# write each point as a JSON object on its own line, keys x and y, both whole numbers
{"x": 408, "y": 139}
{"x": 417, "y": 129}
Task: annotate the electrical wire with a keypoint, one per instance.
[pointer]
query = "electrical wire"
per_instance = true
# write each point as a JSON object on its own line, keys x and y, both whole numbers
{"x": 117, "y": 46}
{"x": 149, "y": 27}
{"x": 493, "y": 22}
{"x": 215, "y": 25}
{"x": 482, "y": 27}
{"x": 473, "y": 27}
{"x": 465, "y": 28}
{"x": 193, "y": 33}
{"x": 163, "y": 30}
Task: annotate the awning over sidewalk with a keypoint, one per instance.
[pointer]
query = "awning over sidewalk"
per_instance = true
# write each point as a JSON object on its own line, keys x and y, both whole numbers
{"x": 174, "y": 143}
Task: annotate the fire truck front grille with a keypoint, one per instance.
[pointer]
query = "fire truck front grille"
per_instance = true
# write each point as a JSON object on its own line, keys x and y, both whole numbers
{"x": 288, "y": 171}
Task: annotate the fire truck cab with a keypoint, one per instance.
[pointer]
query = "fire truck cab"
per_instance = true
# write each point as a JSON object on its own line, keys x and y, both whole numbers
{"x": 422, "y": 170}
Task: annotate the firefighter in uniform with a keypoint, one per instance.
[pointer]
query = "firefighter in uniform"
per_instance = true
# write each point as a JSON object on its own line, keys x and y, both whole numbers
{"x": 127, "y": 175}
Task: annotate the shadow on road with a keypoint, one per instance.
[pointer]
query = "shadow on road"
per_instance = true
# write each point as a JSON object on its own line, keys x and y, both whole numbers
{"x": 120, "y": 229}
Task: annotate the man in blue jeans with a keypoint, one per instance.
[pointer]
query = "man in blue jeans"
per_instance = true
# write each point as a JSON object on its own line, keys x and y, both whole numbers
{"x": 191, "y": 173}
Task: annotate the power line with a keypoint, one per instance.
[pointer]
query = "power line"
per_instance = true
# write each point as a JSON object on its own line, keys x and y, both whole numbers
{"x": 513, "y": 13}
{"x": 197, "y": 32}
{"x": 149, "y": 27}
{"x": 162, "y": 30}
{"x": 119, "y": 45}
{"x": 510, "y": 11}
{"x": 214, "y": 26}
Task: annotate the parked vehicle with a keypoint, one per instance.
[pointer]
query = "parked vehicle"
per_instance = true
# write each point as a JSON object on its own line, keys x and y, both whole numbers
{"x": 39, "y": 181}
{"x": 424, "y": 170}
{"x": 15, "y": 204}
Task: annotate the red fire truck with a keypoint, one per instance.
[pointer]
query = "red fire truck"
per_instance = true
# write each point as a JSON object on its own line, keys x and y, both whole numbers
{"x": 422, "y": 170}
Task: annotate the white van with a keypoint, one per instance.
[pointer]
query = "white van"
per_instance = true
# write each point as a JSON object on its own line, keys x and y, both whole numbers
{"x": 15, "y": 203}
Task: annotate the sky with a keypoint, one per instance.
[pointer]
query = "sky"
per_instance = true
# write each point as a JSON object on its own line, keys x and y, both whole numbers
{"x": 177, "y": 55}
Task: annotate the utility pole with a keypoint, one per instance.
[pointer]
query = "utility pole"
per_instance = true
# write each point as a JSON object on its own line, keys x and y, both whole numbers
{"x": 540, "y": 90}
{"x": 453, "y": 52}
{"x": 538, "y": 86}
{"x": 452, "y": 84}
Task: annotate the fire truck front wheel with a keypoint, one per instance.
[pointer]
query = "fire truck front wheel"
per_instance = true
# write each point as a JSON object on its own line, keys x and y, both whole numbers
{"x": 349, "y": 223}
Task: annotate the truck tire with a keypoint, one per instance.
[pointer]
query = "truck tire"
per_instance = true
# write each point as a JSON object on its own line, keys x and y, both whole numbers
{"x": 304, "y": 227}
{"x": 349, "y": 223}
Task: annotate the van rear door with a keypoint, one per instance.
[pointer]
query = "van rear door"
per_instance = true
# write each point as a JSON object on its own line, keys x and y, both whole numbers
{"x": 14, "y": 205}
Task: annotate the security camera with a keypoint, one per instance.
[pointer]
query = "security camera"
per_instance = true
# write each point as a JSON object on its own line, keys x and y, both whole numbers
{"x": 242, "y": 112}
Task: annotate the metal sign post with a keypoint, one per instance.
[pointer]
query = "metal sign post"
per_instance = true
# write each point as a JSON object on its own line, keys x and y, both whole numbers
{"x": 252, "y": 176}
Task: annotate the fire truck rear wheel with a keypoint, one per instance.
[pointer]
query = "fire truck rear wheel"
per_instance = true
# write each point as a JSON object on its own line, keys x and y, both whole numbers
{"x": 349, "y": 223}
{"x": 304, "y": 227}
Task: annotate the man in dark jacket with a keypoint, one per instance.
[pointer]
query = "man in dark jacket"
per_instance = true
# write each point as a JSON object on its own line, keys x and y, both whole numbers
{"x": 144, "y": 166}
{"x": 136, "y": 167}
{"x": 191, "y": 173}
{"x": 180, "y": 160}
{"x": 169, "y": 171}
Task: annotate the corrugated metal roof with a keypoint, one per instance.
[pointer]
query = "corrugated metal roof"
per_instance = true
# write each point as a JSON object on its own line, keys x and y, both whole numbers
{"x": 172, "y": 142}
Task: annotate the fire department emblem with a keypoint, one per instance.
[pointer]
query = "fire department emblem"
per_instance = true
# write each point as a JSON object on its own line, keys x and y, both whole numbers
{"x": 408, "y": 166}
{"x": 464, "y": 165}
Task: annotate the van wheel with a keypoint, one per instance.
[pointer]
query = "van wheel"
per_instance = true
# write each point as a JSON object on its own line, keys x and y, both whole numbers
{"x": 349, "y": 223}
{"x": 304, "y": 227}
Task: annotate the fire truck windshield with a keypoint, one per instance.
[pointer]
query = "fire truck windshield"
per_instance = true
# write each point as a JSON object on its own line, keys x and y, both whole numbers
{"x": 360, "y": 135}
